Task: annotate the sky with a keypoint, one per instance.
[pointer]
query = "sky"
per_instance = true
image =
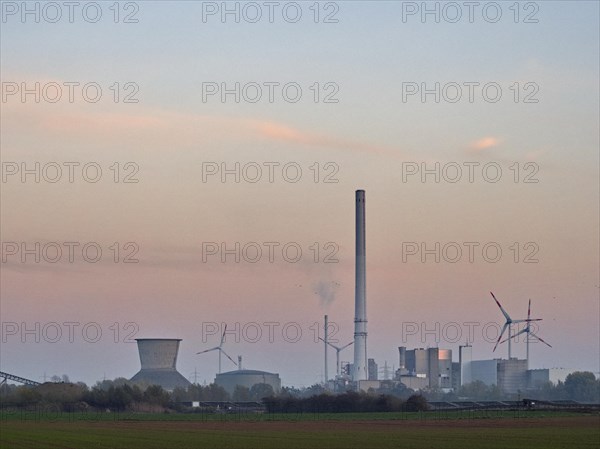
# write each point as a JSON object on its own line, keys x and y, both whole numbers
{"x": 170, "y": 143}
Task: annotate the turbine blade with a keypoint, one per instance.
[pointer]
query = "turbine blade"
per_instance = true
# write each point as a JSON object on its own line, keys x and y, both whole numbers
{"x": 208, "y": 350}
{"x": 501, "y": 334}
{"x": 540, "y": 339}
{"x": 529, "y": 314}
{"x": 345, "y": 346}
{"x": 518, "y": 333}
{"x": 525, "y": 321}
{"x": 506, "y": 315}
{"x": 521, "y": 321}
{"x": 330, "y": 344}
{"x": 223, "y": 336}
{"x": 227, "y": 355}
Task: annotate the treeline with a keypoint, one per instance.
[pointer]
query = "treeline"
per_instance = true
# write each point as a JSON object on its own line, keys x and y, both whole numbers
{"x": 349, "y": 401}
{"x": 113, "y": 395}
{"x": 581, "y": 386}
{"x": 121, "y": 395}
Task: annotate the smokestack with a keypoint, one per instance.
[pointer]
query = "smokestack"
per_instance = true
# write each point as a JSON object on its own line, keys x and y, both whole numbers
{"x": 360, "y": 367}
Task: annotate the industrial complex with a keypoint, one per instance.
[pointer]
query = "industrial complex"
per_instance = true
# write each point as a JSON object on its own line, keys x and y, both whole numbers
{"x": 430, "y": 368}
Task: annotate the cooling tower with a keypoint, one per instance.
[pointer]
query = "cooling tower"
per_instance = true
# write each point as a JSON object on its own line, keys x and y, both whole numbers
{"x": 158, "y": 357}
{"x": 360, "y": 367}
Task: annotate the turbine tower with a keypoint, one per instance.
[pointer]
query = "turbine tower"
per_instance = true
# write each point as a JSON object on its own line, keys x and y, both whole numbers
{"x": 527, "y": 330}
{"x": 220, "y": 349}
{"x": 325, "y": 333}
{"x": 360, "y": 366}
{"x": 507, "y": 325}
{"x": 338, "y": 349}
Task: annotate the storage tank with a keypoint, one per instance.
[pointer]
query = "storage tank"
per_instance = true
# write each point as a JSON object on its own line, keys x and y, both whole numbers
{"x": 248, "y": 378}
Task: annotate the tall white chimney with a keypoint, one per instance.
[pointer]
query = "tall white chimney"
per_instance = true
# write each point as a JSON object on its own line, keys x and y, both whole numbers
{"x": 360, "y": 367}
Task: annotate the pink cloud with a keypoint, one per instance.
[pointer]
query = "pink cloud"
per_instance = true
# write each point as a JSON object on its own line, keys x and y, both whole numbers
{"x": 281, "y": 132}
{"x": 484, "y": 144}
{"x": 174, "y": 127}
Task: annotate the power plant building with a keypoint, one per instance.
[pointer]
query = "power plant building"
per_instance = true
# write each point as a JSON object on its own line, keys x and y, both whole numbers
{"x": 465, "y": 357}
{"x": 445, "y": 368}
{"x": 433, "y": 368}
{"x": 539, "y": 377}
{"x": 485, "y": 371}
{"x": 373, "y": 370}
{"x": 158, "y": 357}
{"x": 434, "y": 365}
{"x": 455, "y": 376}
{"x": 512, "y": 375}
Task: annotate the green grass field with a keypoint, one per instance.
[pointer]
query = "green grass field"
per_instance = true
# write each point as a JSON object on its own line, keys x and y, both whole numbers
{"x": 347, "y": 431}
{"x": 53, "y": 414}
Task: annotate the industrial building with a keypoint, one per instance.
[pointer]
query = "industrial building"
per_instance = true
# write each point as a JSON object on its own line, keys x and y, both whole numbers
{"x": 429, "y": 368}
{"x": 373, "y": 370}
{"x": 465, "y": 357}
{"x": 158, "y": 359}
{"x": 512, "y": 375}
{"x": 247, "y": 378}
{"x": 425, "y": 368}
{"x": 485, "y": 371}
{"x": 455, "y": 376}
{"x": 509, "y": 375}
{"x": 366, "y": 385}
{"x": 538, "y": 377}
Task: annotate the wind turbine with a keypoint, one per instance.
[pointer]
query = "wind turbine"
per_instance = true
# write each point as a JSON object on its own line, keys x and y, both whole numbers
{"x": 507, "y": 325}
{"x": 220, "y": 349}
{"x": 338, "y": 349}
{"x": 529, "y": 332}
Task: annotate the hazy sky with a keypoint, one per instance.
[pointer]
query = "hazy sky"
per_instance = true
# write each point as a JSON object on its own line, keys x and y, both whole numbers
{"x": 528, "y": 106}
